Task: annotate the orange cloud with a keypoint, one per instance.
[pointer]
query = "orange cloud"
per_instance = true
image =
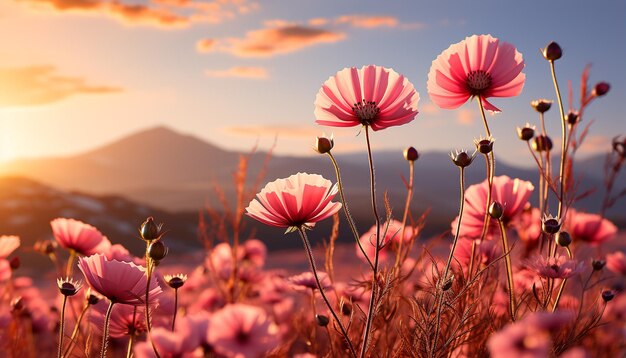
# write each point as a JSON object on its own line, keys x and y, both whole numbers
{"x": 278, "y": 40}
{"x": 288, "y": 131}
{"x": 206, "y": 45}
{"x": 39, "y": 85}
{"x": 160, "y": 13}
{"x": 368, "y": 22}
{"x": 257, "y": 73}
{"x": 595, "y": 144}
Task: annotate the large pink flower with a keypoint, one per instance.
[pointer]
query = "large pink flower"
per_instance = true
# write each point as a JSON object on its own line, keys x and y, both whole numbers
{"x": 392, "y": 231}
{"x": 512, "y": 194}
{"x": 120, "y": 282}
{"x": 124, "y": 319}
{"x": 242, "y": 331}
{"x": 554, "y": 267}
{"x": 300, "y": 200}
{"x": 8, "y": 244}
{"x": 373, "y": 96}
{"x": 480, "y": 66}
{"x": 78, "y": 236}
{"x": 591, "y": 228}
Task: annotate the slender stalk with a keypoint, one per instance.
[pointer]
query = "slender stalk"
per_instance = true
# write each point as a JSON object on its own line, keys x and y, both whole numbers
{"x": 346, "y": 211}
{"x": 558, "y": 295}
{"x": 149, "y": 266}
{"x": 509, "y": 269}
{"x": 175, "y": 308}
{"x": 105, "y": 335}
{"x": 444, "y": 277}
{"x": 562, "y": 177}
{"x": 407, "y": 204}
{"x": 370, "y": 312}
{"x": 491, "y": 168}
{"x": 70, "y": 263}
{"x": 59, "y": 355}
{"x": 76, "y": 331}
{"x": 131, "y": 339}
{"x": 309, "y": 252}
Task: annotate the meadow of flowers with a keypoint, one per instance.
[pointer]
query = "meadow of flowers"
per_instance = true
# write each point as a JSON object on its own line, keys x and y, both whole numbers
{"x": 515, "y": 281}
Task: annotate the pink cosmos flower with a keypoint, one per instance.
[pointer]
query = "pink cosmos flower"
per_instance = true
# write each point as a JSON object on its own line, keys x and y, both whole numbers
{"x": 121, "y": 323}
{"x": 513, "y": 194}
{"x": 8, "y": 244}
{"x": 373, "y": 96}
{"x": 392, "y": 231}
{"x": 182, "y": 342}
{"x": 78, "y": 236}
{"x": 120, "y": 282}
{"x": 591, "y": 228}
{"x": 300, "y": 200}
{"x": 528, "y": 226}
{"x": 616, "y": 262}
{"x": 479, "y": 66}
{"x": 242, "y": 331}
{"x": 305, "y": 282}
{"x": 485, "y": 252}
{"x": 554, "y": 267}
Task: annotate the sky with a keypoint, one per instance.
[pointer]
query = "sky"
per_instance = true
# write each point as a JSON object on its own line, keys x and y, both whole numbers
{"x": 77, "y": 74}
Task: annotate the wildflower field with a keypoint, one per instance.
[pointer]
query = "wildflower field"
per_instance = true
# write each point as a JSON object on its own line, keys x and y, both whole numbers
{"x": 508, "y": 279}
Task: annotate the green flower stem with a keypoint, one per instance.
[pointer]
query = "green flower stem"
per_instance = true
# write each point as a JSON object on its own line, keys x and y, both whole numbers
{"x": 346, "y": 211}
{"x": 370, "y": 312}
{"x": 509, "y": 269}
{"x": 309, "y": 253}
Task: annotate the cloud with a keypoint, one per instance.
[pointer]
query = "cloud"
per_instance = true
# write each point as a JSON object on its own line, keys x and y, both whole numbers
{"x": 160, "y": 13}
{"x": 257, "y": 73}
{"x": 595, "y": 144}
{"x": 273, "y": 41}
{"x": 206, "y": 45}
{"x": 465, "y": 117}
{"x": 40, "y": 85}
{"x": 368, "y": 22}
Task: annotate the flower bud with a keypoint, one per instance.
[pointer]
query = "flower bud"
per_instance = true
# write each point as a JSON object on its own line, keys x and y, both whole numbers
{"x": 447, "y": 284}
{"x": 411, "y": 154}
{"x": 175, "y": 281}
{"x": 542, "y": 143}
{"x": 552, "y": 52}
{"x": 496, "y": 210}
{"x": 572, "y": 117}
{"x": 17, "y": 304}
{"x": 92, "y": 299}
{"x": 45, "y": 247}
{"x": 321, "y": 320}
{"x": 324, "y": 144}
{"x": 346, "y": 308}
{"x": 484, "y": 146}
{"x": 619, "y": 146}
{"x": 550, "y": 225}
{"x": 541, "y": 105}
{"x": 598, "y": 264}
{"x": 15, "y": 263}
{"x": 563, "y": 239}
{"x": 68, "y": 287}
{"x": 150, "y": 231}
{"x": 607, "y": 295}
{"x": 461, "y": 158}
{"x": 526, "y": 133}
{"x": 157, "y": 250}
{"x": 600, "y": 89}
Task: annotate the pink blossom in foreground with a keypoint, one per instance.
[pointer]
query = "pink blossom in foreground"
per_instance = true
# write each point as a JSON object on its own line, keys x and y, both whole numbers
{"x": 183, "y": 342}
{"x": 305, "y": 282}
{"x": 479, "y": 66}
{"x": 120, "y": 282}
{"x": 554, "y": 267}
{"x": 485, "y": 252}
{"x": 250, "y": 257}
{"x": 78, "y": 236}
{"x": 8, "y": 244}
{"x": 242, "y": 331}
{"x": 616, "y": 262}
{"x": 528, "y": 226}
{"x": 393, "y": 234}
{"x": 121, "y": 323}
{"x": 373, "y": 96}
{"x": 591, "y": 228}
{"x": 299, "y": 200}
{"x": 512, "y": 194}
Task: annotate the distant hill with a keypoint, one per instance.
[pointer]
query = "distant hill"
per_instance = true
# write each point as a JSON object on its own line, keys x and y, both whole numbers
{"x": 174, "y": 172}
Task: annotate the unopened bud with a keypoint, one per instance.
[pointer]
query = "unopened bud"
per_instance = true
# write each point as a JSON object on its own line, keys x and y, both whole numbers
{"x": 346, "y": 308}
{"x": 598, "y": 264}
{"x": 607, "y": 295}
{"x": 92, "y": 299}
{"x": 496, "y": 210}
{"x": 324, "y": 144}
{"x": 550, "y": 225}
{"x": 321, "y": 320}
{"x": 484, "y": 146}
{"x": 526, "y": 133}
{"x": 15, "y": 263}
{"x": 17, "y": 304}
{"x": 157, "y": 250}
{"x": 600, "y": 89}
{"x": 411, "y": 154}
{"x": 541, "y": 105}
{"x": 542, "y": 143}
{"x": 619, "y": 146}
{"x": 447, "y": 284}
{"x": 150, "y": 231}
{"x": 552, "y": 52}
{"x": 563, "y": 239}
{"x": 461, "y": 158}
{"x": 571, "y": 117}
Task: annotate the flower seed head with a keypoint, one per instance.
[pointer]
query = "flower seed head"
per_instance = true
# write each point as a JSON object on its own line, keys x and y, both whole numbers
{"x": 461, "y": 158}
{"x": 526, "y": 133}
{"x": 496, "y": 211}
{"x": 600, "y": 89}
{"x": 552, "y": 52}
{"x": 15, "y": 263}
{"x": 45, "y": 247}
{"x": 484, "y": 145}
{"x": 550, "y": 225}
{"x": 572, "y": 117}
{"x": 598, "y": 264}
{"x": 411, "y": 154}
{"x": 541, "y": 105}
{"x": 324, "y": 144}
{"x": 150, "y": 231}
{"x": 92, "y": 299}
{"x": 607, "y": 295}
{"x": 175, "y": 281}
{"x": 321, "y": 320}
{"x": 157, "y": 250}
{"x": 542, "y": 143}
{"x": 563, "y": 238}
{"x": 68, "y": 287}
